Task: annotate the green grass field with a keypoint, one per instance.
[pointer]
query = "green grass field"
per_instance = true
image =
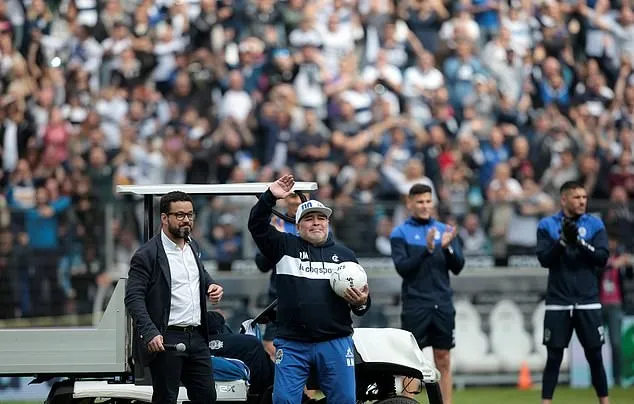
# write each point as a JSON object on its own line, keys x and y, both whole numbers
{"x": 563, "y": 395}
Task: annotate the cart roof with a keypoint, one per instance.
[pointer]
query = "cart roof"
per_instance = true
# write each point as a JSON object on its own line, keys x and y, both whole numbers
{"x": 252, "y": 188}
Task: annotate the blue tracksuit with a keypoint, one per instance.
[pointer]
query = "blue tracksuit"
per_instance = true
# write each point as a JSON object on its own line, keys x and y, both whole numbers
{"x": 428, "y": 311}
{"x": 425, "y": 276}
{"x": 573, "y": 270}
{"x": 314, "y": 325}
{"x": 572, "y": 296}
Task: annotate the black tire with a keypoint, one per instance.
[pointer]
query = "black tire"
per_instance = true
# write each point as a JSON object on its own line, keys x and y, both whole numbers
{"x": 397, "y": 400}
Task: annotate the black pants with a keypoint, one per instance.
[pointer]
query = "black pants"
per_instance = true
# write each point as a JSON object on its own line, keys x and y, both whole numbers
{"x": 192, "y": 368}
{"x": 431, "y": 327}
{"x": 559, "y": 325}
{"x": 47, "y": 297}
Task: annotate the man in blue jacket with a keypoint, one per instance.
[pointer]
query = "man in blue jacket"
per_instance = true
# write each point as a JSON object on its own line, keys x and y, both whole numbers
{"x": 314, "y": 325}
{"x": 573, "y": 245}
{"x": 424, "y": 250}
{"x": 42, "y": 226}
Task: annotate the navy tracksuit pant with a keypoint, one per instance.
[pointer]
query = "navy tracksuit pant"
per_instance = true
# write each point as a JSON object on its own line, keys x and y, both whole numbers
{"x": 333, "y": 362}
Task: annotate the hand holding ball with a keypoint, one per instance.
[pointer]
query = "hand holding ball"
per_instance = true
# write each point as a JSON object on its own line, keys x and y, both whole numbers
{"x": 348, "y": 275}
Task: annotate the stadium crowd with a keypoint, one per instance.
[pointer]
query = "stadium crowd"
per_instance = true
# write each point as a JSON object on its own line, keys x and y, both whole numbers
{"x": 494, "y": 104}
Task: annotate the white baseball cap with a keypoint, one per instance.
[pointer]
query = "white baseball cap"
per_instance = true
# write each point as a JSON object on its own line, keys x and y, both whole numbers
{"x": 311, "y": 206}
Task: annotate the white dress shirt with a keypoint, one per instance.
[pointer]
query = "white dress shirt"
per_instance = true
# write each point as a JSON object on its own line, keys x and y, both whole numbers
{"x": 185, "y": 302}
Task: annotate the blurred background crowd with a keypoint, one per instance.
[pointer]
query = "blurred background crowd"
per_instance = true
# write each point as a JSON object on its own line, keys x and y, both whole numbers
{"x": 493, "y": 103}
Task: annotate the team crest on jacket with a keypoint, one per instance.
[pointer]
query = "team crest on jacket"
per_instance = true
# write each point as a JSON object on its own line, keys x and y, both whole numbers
{"x": 582, "y": 231}
{"x": 279, "y": 355}
{"x": 215, "y": 344}
{"x": 335, "y": 258}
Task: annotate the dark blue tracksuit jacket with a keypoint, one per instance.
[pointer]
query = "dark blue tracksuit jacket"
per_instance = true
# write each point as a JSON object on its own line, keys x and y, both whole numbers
{"x": 573, "y": 270}
{"x": 308, "y": 309}
{"x": 425, "y": 276}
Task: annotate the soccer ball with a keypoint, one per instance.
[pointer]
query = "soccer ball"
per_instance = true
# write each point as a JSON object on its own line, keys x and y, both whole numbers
{"x": 348, "y": 275}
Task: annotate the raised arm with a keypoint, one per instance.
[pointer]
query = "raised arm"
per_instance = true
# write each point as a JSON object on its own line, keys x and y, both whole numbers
{"x": 269, "y": 240}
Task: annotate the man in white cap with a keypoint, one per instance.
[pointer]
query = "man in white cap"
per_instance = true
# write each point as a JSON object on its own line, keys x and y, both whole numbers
{"x": 314, "y": 326}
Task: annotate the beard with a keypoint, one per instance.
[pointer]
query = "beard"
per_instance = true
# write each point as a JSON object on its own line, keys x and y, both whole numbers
{"x": 180, "y": 232}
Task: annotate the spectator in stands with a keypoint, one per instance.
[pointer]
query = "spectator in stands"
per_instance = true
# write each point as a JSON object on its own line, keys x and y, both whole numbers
{"x": 612, "y": 297}
{"x": 456, "y": 187}
{"x": 592, "y": 168}
{"x": 487, "y": 15}
{"x": 9, "y": 276}
{"x": 503, "y": 192}
{"x": 520, "y": 163}
{"x": 312, "y": 144}
{"x": 622, "y": 173}
{"x": 227, "y": 240}
{"x": 473, "y": 237}
{"x": 528, "y": 210}
{"x": 620, "y": 218}
{"x": 384, "y": 229}
{"x": 16, "y": 131}
{"x": 41, "y": 223}
{"x": 125, "y": 247}
{"x": 494, "y": 151}
{"x": 562, "y": 169}
{"x": 461, "y": 72}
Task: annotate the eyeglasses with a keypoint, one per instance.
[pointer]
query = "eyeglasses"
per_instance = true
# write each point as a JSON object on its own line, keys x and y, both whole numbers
{"x": 181, "y": 215}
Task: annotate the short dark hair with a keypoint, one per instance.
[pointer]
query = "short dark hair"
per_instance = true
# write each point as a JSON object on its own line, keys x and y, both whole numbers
{"x": 174, "y": 196}
{"x": 569, "y": 186}
{"x": 419, "y": 189}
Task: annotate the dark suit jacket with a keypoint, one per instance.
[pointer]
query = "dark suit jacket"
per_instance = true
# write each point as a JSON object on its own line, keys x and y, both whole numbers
{"x": 148, "y": 293}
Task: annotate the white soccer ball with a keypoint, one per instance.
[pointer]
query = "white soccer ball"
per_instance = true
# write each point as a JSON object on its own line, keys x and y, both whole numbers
{"x": 348, "y": 275}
